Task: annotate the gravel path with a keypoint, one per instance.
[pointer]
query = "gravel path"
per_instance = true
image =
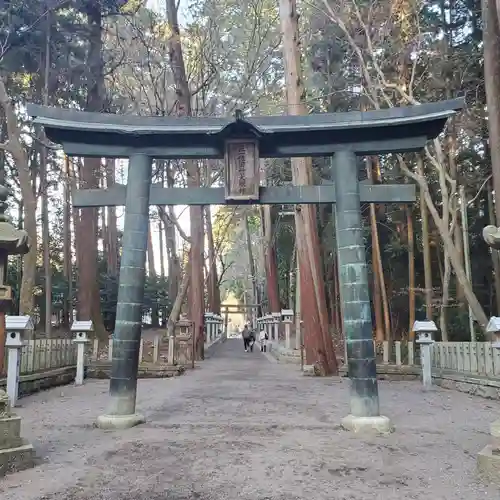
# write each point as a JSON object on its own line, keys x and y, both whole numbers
{"x": 241, "y": 427}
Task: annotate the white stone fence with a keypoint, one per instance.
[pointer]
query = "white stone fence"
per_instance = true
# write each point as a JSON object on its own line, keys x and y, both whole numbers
{"x": 214, "y": 328}
{"x": 277, "y": 322}
{"x": 48, "y": 354}
{"x": 33, "y": 357}
{"x": 45, "y": 354}
{"x": 477, "y": 358}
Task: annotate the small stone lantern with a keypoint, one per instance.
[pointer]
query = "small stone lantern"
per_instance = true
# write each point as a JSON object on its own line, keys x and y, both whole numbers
{"x": 81, "y": 329}
{"x": 424, "y": 331}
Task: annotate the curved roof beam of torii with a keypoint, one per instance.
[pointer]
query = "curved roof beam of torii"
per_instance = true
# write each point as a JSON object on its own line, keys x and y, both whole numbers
{"x": 398, "y": 129}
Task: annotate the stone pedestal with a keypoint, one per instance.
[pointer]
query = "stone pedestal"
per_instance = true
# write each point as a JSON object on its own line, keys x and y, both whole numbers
{"x": 488, "y": 459}
{"x": 367, "y": 425}
{"x": 15, "y": 453}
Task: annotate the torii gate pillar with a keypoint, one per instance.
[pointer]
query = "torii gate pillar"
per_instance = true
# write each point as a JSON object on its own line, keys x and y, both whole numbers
{"x": 353, "y": 278}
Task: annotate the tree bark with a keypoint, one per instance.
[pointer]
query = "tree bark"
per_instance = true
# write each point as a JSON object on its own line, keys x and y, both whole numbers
{"x": 47, "y": 270}
{"x": 193, "y": 180}
{"x": 426, "y": 246}
{"x": 491, "y": 41}
{"x": 411, "y": 272}
{"x": 173, "y": 262}
{"x": 454, "y": 256}
{"x": 271, "y": 267}
{"x": 376, "y": 265}
{"x": 213, "y": 288}
{"x": 15, "y": 147}
{"x": 494, "y": 253}
{"x": 67, "y": 253}
{"x": 88, "y": 278}
{"x": 319, "y": 345}
{"x": 251, "y": 262}
{"x": 155, "y": 316}
{"x": 112, "y": 232}
{"x": 179, "y": 299}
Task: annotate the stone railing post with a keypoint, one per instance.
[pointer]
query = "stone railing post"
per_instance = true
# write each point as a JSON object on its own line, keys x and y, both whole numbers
{"x": 81, "y": 328}
{"x": 287, "y": 315}
{"x": 276, "y": 320}
{"x": 220, "y": 327}
{"x": 210, "y": 323}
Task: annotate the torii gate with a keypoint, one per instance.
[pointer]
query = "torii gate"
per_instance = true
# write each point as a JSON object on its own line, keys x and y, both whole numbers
{"x": 242, "y": 141}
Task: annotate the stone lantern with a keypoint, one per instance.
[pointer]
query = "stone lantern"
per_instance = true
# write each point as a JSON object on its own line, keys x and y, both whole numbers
{"x": 15, "y": 453}
{"x": 424, "y": 331}
{"x": 81, "y": 330}
{"x": 16, "y": 328}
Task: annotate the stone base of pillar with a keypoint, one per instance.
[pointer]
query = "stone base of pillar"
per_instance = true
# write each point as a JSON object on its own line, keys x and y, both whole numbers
{"x": 488, "y": 459}
{"x": 15, "y": 454}
{"x": 365, "y": 425}
{"x": 488, "y": 464}
{"x": 119, "y": 421}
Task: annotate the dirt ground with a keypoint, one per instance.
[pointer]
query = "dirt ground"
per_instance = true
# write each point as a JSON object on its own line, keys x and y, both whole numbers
{"x": 243, "y": 427}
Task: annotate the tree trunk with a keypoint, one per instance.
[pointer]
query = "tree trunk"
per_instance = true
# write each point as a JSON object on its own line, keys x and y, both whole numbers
{"x": 426, "y": 247}
{"x": 177, "y": 305}
{"x": 112, "y": 232}
{"x": 155, "y": 314}
{"x": 251, "y": 262}
{"x": 293, "y": 279}
{"x": 271, "y": 267}
{"x": 454, "y": 257}
{"x": 67, "y": 253}
{"x": 445, "y": 297}
{"x": 21, "y": 162}
{"x": 376, "y": 265}
{"x": 47, "y": 270}
{"x": 495, "y": 254}
{"x": 213, "y": 288}
{"x": 88, "y": 279}
{"x": 319, "y": 345}
{"x": 193, "y": 179}
{"x": 162, "y": 250}
{"x": 173, "y": 263}
{"x": 491, "y": 41}
{"x": 411, "y": 271}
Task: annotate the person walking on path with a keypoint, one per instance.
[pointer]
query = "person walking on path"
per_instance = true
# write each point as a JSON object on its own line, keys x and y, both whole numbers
{"x": 247, "y": 337}
{"x": 263, "y": 341}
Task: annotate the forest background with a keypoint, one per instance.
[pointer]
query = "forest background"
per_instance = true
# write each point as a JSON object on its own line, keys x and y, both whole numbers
{"x": 426, "y": 260}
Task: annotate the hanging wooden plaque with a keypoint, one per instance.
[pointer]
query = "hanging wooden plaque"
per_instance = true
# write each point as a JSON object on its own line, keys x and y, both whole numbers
{"x": 242, "y": 169}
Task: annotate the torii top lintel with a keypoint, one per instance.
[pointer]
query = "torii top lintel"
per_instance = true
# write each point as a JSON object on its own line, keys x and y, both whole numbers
{"x": 398, "y": 129}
